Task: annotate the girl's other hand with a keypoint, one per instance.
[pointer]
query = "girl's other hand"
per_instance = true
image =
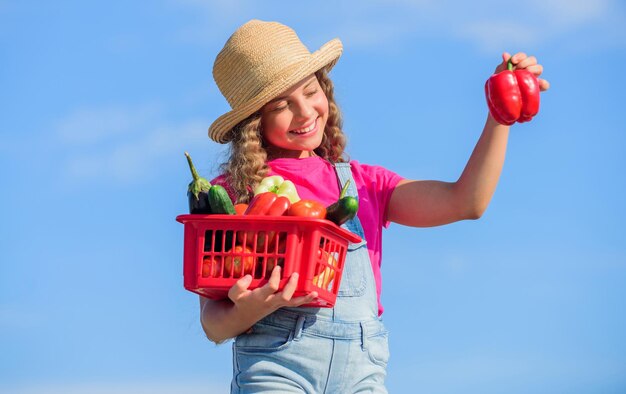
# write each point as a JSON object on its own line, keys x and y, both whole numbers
{"x": 266, "y": 299}
{"x": 521, "y": 60}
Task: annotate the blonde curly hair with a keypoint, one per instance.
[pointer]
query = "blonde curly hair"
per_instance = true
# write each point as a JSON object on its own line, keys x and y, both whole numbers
{"x": 247, "y": 162}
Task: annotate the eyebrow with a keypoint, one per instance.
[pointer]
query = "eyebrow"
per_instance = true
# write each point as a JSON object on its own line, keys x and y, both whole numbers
{"x": 285, "y": 97}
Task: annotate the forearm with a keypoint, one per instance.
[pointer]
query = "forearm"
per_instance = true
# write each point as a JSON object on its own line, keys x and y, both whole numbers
{"x": 221, "y": 320}
{"x": 479, "y": 179}
{"x": 434, "y": 203}
{"x": 225, "y": 319}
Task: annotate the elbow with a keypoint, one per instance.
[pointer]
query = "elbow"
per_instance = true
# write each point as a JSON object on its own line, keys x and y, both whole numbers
{"x": 212, "y": 330}
{"x": 473, "y": 215}
{"x": 213, "y": 336}
{"x": 475, "y": 211}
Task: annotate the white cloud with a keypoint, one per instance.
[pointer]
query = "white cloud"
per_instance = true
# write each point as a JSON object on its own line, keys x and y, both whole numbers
{"x": 499, "y": 35}
{"x": 91, "y": 125}
{"x": 121, "y": 144}
{"x": 215, "y": 16}
{"x": 488, "y": 24}
{"x": 571, "y": 13}
{"x": 128, "y": 160}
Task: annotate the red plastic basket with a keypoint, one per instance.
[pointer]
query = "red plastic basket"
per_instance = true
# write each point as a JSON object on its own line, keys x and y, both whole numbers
{"x": 220, "y": 249}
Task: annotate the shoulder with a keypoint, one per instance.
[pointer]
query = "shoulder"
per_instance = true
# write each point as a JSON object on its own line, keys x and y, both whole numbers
{"x": 372, "y": 171}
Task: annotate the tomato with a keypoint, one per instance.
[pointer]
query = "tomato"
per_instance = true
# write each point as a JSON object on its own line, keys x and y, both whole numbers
{"x": 240, "y": 208}
{"x": 325, "y": 274}
{"x": 308, "y": 208}
{"x": 240, "y": 261}
{"x": 211, "y": 266}
{"x": 269, "y": 266}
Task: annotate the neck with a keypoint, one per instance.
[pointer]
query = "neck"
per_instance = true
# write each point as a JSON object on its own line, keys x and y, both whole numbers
{"x": 278, "y": 153}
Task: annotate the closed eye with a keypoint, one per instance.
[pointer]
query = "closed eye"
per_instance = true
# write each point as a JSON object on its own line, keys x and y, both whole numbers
{"x": 279, "y": 107}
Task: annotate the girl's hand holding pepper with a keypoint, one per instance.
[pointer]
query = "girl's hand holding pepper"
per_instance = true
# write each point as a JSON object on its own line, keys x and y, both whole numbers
{"x": 522, "y": 61}
{"x": 513, "y": 91}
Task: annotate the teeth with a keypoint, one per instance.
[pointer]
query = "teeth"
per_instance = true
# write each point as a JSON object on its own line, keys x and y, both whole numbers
{"x": 306, "y": 130}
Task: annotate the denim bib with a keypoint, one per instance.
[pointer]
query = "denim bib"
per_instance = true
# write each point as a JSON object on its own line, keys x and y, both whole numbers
{"x": 320, "y": 350}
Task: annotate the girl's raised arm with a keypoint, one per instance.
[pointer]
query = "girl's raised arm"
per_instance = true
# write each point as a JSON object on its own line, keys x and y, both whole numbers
{"x": 433, "y": 203}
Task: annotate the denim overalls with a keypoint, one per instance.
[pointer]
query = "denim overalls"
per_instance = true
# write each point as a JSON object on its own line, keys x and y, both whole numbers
{"x": 320, "y": 350}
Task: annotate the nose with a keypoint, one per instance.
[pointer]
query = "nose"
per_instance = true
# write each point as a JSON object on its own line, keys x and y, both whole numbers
{"x": 303, "y": 110}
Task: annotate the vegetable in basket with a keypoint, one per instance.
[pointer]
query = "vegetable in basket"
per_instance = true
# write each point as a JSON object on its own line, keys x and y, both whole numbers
{"x": 239, "y": 262}
{"x": 308, "y": 208}
{"x": 268, "y": 203}
{"x": 343, "y": 209}
{"x": 277, "y": 184}
{"x": 325, "y": 274}
{"x": 198, "y": 191}
{"x": 207, "y": 198}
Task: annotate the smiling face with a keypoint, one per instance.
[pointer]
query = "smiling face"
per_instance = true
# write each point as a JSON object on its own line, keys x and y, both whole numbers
{"x": 293, "y": 123}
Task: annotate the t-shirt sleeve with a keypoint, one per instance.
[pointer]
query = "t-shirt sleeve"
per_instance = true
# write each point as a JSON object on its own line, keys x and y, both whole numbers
{"x": 379, "y": 183}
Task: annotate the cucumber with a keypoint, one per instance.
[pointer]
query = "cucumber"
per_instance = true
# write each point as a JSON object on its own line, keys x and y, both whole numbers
{"x": 343, "y": 210}
{"x": 220, "y": 201}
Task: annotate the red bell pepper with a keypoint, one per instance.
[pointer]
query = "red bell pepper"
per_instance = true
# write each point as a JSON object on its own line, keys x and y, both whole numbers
{"x": 308, "y": 208}
{"x": 279, "y": 206}
{"x": 512, "y": 96}
{"x": 268, "y": 203}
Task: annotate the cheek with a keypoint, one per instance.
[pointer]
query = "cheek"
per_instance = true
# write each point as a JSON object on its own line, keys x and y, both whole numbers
{"x": 322, "y": 105}
{"x": 273, "y": 126}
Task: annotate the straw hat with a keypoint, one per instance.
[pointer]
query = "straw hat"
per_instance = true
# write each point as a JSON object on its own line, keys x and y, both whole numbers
{"x": 258, "y": 62}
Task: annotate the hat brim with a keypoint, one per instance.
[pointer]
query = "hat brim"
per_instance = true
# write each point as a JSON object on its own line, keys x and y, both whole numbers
{"x": 325, "y": 57}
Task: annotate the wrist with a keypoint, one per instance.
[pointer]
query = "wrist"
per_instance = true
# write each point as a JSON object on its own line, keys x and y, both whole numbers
{"x": 493, "y": 123}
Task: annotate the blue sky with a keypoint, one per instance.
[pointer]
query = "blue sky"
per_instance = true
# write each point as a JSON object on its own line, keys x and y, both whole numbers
{"x": 99, "y": 100}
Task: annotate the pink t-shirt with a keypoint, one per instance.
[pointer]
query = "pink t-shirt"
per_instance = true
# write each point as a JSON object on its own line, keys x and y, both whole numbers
{"x": 315, "y": 178}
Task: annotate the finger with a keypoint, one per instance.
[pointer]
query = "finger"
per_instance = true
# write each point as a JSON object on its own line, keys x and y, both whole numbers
{"x": 527, "y": 62}
{"x": 240, "y": 287}
{"x": 502, "y": 66}
{"x": 272, "y": 284}
{"x": 536, "y": 69}
{"x": 290, "y": 287}
{"x": 518, "y": 57}
{"x": 544, "y": 85}
{"x": 297, "y": 301}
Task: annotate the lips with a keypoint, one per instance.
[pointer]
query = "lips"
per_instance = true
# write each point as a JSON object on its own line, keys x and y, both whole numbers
{"x": 306, "y": 129}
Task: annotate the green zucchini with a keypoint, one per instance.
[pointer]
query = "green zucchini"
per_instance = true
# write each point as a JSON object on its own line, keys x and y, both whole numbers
{"x": 343, "y": 209}
{"x": 220, "y": 201}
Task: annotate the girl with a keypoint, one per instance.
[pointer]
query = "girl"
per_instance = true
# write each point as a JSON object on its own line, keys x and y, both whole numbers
{"x": 285, "y": 121}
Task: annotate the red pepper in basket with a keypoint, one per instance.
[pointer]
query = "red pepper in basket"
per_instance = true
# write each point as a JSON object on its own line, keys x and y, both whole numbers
{"x": 512, "y": 96}
{"x": 268, "y": 203}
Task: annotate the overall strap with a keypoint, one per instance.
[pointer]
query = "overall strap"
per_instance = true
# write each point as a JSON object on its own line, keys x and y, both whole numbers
{"x": 344, "y": 174}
